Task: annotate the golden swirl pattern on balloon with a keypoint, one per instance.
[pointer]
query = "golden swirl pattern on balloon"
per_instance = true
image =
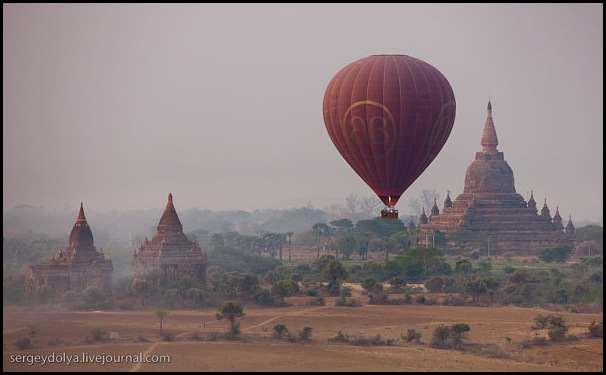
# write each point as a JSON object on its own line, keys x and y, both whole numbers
{"x": 369, "y": 129}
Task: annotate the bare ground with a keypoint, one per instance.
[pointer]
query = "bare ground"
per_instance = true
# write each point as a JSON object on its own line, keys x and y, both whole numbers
{"x": 501, "y": 335}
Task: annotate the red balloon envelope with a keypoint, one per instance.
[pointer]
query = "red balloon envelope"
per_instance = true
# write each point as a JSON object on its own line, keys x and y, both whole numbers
{"x": 389, "y": 116}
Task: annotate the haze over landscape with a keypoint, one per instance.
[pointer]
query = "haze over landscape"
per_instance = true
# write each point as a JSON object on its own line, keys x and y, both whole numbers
{"x": 116, "y": 105}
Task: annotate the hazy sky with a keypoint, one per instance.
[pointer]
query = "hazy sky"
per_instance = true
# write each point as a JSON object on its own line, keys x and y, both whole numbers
{"x": 221, "y": 104}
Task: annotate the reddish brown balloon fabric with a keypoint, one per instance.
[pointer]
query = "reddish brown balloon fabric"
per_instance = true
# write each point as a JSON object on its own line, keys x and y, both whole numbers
{"x": 389, "y": 116}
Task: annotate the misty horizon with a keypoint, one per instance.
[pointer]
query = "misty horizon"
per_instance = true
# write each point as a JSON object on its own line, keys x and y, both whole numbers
{"x": 118, "y": 105}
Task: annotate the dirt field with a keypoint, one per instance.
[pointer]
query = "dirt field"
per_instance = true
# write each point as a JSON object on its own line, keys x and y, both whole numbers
{"x": 499, "y": 333}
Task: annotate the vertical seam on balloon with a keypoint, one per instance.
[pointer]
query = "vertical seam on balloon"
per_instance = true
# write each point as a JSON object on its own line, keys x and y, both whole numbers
{"x": 397, "y": 173}
{"x": 367, "y": 161}
{"x": 351, "y": 160}
{"x": 335, "y": 136}
{"x": 381, "y": 172}
{"x": 410, "y": 166}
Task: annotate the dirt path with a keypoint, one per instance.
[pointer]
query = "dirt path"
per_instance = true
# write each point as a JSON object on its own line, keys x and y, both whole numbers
{"x": 138, "y": 365}
{"x": 298, "y": 312}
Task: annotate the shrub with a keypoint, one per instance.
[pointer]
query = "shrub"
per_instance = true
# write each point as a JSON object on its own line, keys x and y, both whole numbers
{"x": 412, "y": 336}
{"x": 377, "y": 340}
{"x": 340, "y": 337}
{"x": 447, "y": 337}
{"x": 305, "y": 334}
{"x": 70, "y": 296}
{"x": 596, "y": 330}
{"x": 347, "y": 302}
{"x": 557, "y": 333}
{"x": 142, "y": 338}
{"x": 397, "y": 282}
{"x": 168, "y": 337}
{"x": 45, "y": 293}
{"x": 439, "y": 338}
{"x": 435, "y": 284}
{"x": 555, "y": 325}
{"x": 24, "y": 343}
{"x": 97, "y": 335}
{"x": 94, "y": 297}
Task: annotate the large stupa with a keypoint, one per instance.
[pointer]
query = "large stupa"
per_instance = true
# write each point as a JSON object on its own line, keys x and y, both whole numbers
{"x": 490, "y": 215}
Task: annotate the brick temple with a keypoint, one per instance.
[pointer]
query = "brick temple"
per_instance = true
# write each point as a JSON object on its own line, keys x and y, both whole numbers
{"x": 489, "y": 214}
{"x": 77, "y": 267}
{"x": 170, "y": 251}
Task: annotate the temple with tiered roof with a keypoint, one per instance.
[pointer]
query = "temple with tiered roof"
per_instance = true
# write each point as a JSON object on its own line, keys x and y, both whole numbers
{"x": 489, "y": 214}
{"x": 170, "y": 251}
{"x": 77, "y": 267}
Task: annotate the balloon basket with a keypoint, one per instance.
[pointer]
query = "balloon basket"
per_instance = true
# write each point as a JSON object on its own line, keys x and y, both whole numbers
{"x": 389, "y": 213}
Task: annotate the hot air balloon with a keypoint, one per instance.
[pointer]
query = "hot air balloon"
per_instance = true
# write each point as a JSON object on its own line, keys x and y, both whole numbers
{"x": 389, "y": 116}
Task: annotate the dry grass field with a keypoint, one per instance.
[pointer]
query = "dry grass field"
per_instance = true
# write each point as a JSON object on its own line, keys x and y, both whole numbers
{"x": 500, "y": 334}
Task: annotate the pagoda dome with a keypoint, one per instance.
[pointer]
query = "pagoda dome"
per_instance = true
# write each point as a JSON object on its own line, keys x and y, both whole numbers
{"x": 489, "y": 176}
{"x": 81, "y": 235}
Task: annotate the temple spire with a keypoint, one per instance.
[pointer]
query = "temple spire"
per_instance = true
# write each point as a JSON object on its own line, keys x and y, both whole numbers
{"x": 81, "y": 217}
{"x": 169, "y": 222}
{"x": 489, "y": 136}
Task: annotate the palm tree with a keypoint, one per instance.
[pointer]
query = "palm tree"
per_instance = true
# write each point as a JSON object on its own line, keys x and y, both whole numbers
{"x": 289, "y": 237}
{"x": 161, "y": 314}
{"x": 320, "y": 230}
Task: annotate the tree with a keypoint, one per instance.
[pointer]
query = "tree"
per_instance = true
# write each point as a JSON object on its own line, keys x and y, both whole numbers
{"x": 281, "y": 289}
{"x": 171, "y": 296}
{"x": 476, "y": 287}
{"x": 346, "y": 245}
{"x": 320, "y": 230}
{"x": 380, "y": 228}
{"x": 273, "y": 243}
{"x": 342, "y": 224}
{"x": 458, "y": 333}
{"x": 374, "y": 289}
{"x": 362, "y": 239}
{"x": 142, "y": 288}
{"x": 401, "y": 239}
{"x": 463, "y": 266}
{"x": 334, "y": 271}
{"x": 93, "y": 296}
{"x": 280, "y": 330}
{"x": 231, "y": 310}
{"x": 161, "y": 314}
{"x": 425, "y": 200}
{"x": 196, "y": 294}
{"x": 556, "y": 254}
{"x": 387, "y": 245}
{"x": 416, "y": 263}
{"x": 234, "y": 283}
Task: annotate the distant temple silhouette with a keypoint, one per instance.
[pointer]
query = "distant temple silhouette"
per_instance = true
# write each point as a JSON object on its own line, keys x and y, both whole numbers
{"x": 489, "y": 214}
{"x": 77, "y": 267}
{"x": 170, "y": 251}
